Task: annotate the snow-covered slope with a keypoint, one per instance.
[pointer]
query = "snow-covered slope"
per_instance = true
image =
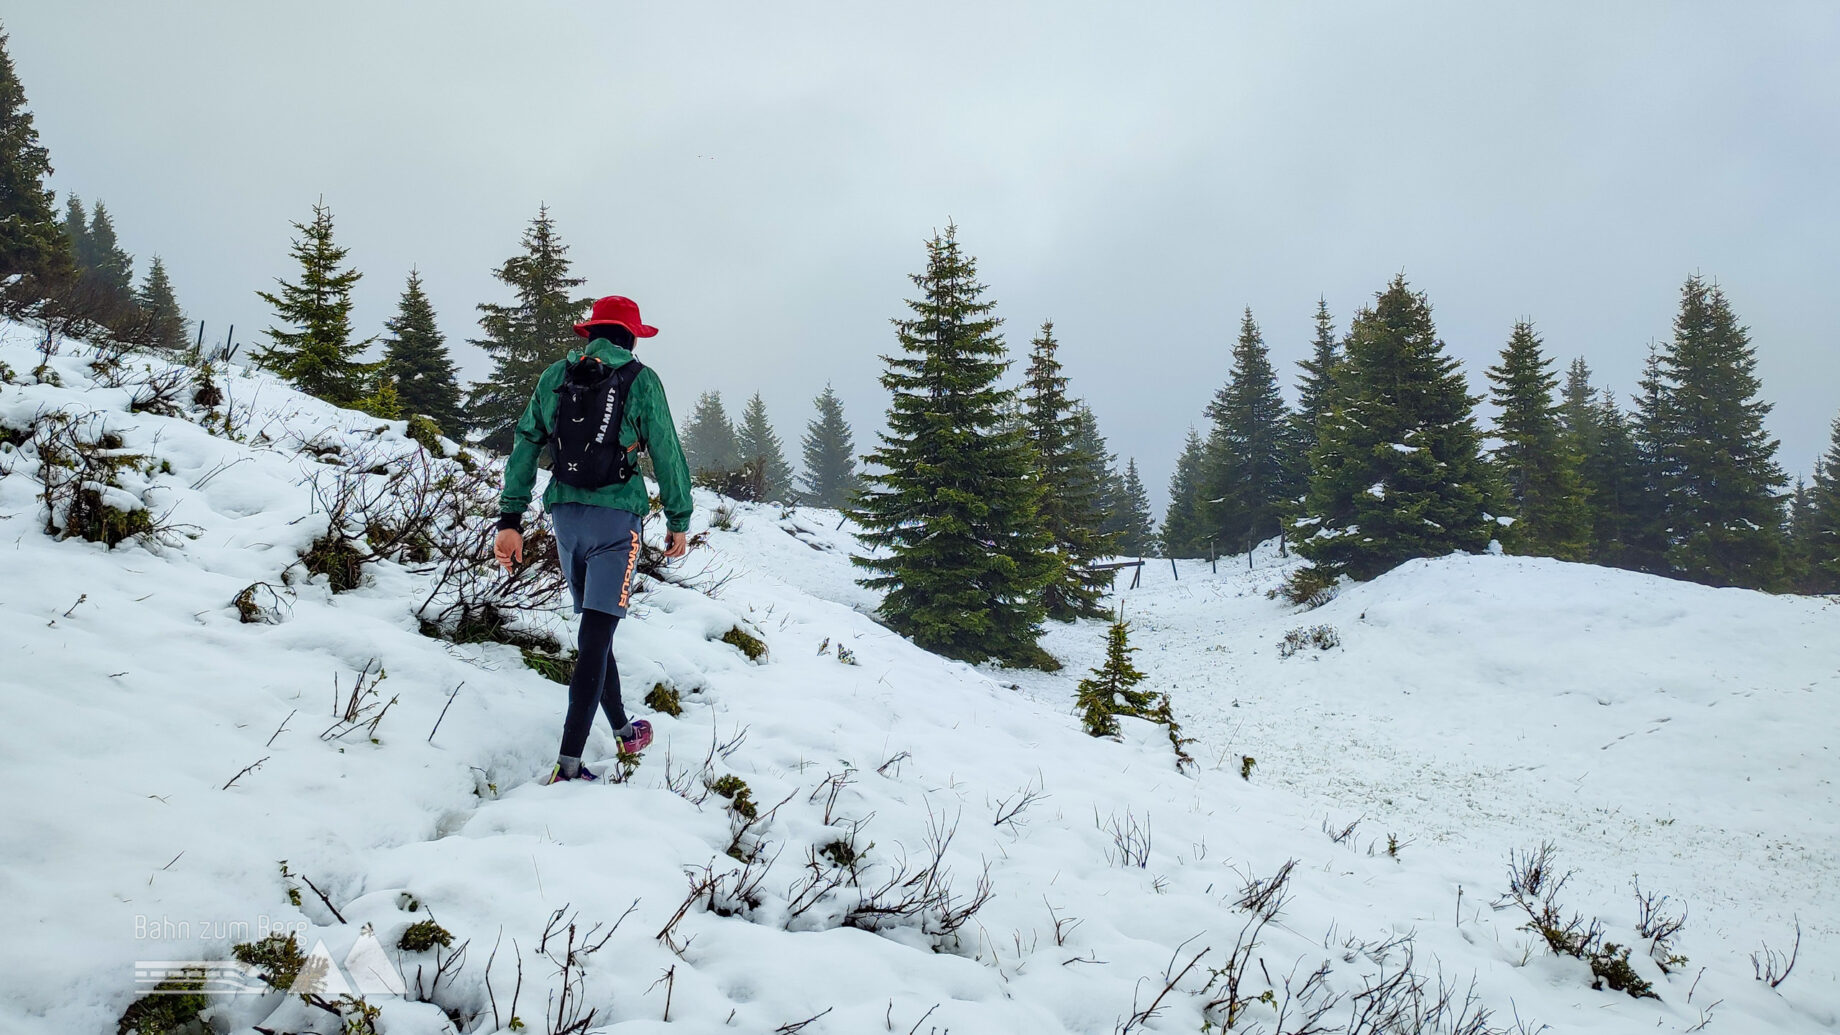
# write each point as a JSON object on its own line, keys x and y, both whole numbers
{"x": 1461, "y": 711}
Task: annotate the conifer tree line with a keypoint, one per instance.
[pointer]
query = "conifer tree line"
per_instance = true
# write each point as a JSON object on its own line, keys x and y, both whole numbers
{"x": 1383, "y": 459}
{"x": 70, "y": 272}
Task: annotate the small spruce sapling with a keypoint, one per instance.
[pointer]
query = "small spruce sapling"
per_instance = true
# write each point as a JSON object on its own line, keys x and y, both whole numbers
{"x": 1110, "y": 691}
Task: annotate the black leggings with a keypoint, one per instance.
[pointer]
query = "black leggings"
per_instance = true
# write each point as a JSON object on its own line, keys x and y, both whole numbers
{"x": 596, "y": 682}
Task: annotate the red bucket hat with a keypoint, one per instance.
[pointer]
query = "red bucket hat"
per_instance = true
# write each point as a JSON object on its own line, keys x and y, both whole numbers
{"x": 616, "y": 309}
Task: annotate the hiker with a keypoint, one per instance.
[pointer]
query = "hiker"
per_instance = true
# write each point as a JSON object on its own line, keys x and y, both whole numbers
{"x": 594, "y": 411}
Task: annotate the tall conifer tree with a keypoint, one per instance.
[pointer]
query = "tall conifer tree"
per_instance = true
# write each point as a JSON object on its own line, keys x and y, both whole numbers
{"x": 1110, "y": 498}
{"x": 760, "y": 445}
{"x": 32, "y": 247}
{"x": 1138, "y": 536}
{"x": 416, "y": 359}
{"x": 1070, "y": 469}
{"x": 1315, "y": 389}
{"x": 1398, "y": 471}
{"x": 829, "y": 479}
{"x": 1577, "y": 403}
{"x": 1251, "y": 471}
{"x": 1537, "y": 459}
{"x": 711, "y": 448}
{"x": 1184, "y": 525}
{"x": 1823, "y": 536}
{"x": 1611, "y": 470}
{"x": 525, "y": 337}
{"x": 104, "y": 257}
{"x": 162, "y": 323}
{"x": 1645, "y": 533}
{"x": 318, "y": 358}
{"x": 1093, "y": 479}
{"x": 1717, "y": 463}
{"x": 951, "y": 506}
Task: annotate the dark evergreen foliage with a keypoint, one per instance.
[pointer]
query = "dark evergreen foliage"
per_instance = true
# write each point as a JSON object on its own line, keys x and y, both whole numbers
{"x": 1250, "y": 474}
{"x": 1397, "y": 472}
{"x": 1714, "y": 462}
{"x": 1645, "y": 528}
{"x": 1102, "y": 464}
{"x": 99, "y": 252}
{"x": 162, "y": 324}
{"x": 32, "y": 247}
{"x": 1069, "y": 467}
{"x": 951, "y": 504}
{"x": 1184, "y": 526}
{"x": 829, "y": 478}
{"x": 1315, "y": 389}
{"x": 525, "y": 337}
{"x": 319, "y": 357}
{"x": 1611, "y": 470}
{"x": 1823, "y": 534}
{"x": 1137, "y": 537}
{"x": 711, "y": 447}
{"x": 759, "y": 445}
{"x": 1538, "y": 461}
{"x": 1111, "y": 689}
{"x": 417, "y": 362}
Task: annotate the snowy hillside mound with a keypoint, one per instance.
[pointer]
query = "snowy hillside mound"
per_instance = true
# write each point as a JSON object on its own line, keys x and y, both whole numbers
{"x": 210, "y": 746}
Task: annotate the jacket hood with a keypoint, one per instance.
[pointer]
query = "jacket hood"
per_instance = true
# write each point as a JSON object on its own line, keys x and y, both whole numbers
{"x": 602, "y": 349}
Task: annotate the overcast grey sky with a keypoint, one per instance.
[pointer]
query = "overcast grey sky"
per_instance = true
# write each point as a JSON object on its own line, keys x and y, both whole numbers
{"x": 761, "y": 176}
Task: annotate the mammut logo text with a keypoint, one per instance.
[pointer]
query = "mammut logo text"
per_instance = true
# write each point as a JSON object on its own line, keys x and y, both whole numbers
{"x": 613, "y": 398}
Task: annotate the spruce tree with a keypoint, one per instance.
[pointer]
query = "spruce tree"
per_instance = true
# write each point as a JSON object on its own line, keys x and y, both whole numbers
{"x": 416, "y": 360}
{"x": 1251, "y": 469}
{"x": 1823, "y": 536}
{"x": 1109, "y": 496}
{"x": 1398, "y": 471}
{"x": 76, "y": 231}
{"x": 525, "y": 337}
{"x": 759, "y": 445}
{"x": 1070, "y": 469}
{"x": 1577, "y": 404}
{"x": 951, "y": 506}
{"x": 829, "y": 479}
{"x": 1611, "y": 470}
{"x": 1111, "y": 689}
{"x": 711, "y": 448}
{"x": 1315, "y": 389}
{"x": 1717, "y": 463}
{"x": 1138, "y": 536}
{"x": 102, "y": 255}
{"x": 1798, "y": 539}
{"x": 162, "y": 324}
{"x": 32, "y": 247}
{"x": 1537, "y": 459}
{"x": 1184, "y": 526}
{"x": 318, "y": 358}
{"x": 1645, "y": 540}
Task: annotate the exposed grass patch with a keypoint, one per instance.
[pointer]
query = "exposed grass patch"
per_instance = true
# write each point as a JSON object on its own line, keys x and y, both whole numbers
{"x": 557, "y": 668}
{"x": 335, "y": 557}
{"x": 664, "y": 699}
{"x": 746, "y": 643}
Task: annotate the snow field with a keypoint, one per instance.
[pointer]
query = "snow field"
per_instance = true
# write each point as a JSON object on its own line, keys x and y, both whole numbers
{"x": 126, "y": 714}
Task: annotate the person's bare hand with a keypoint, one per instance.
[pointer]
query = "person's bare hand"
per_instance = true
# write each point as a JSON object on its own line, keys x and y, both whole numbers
{"x": 676, "y": 544}
{"x": 508, "y": 548}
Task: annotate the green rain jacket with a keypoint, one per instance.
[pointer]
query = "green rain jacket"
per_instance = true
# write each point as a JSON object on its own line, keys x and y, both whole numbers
{"x": 647, "y": 419}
